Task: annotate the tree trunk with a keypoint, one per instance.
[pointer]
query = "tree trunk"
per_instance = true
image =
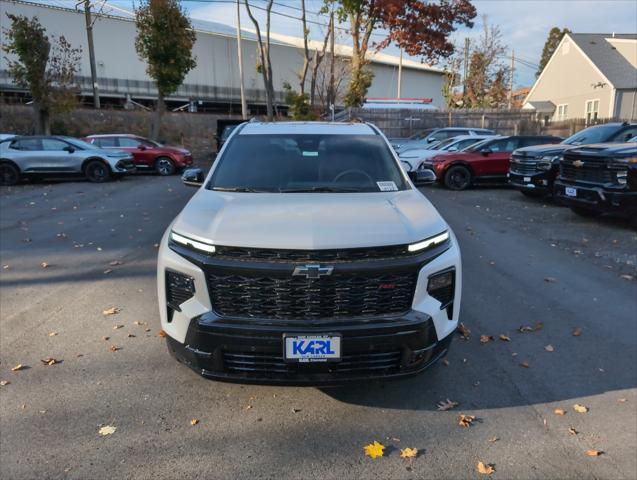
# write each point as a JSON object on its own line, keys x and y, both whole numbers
{"x": 306, "y": 51}
{"x": 156, "y": 122}
{"x": 42, "y": 120}
{"x": 264, "y": 57}
{"x": 318, "y": 58}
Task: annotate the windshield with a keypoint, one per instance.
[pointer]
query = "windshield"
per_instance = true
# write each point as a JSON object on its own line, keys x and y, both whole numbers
{"x": 421, "y": 135}
{"x": 227, "y": 131}
{"x": 80, "y": 144}
{"x": 307, "y": 163}
{"x": 477, "y": 146}
{"x": 598, "y": 134}
{"x": 444, "y": 144}
{"x": 463, "y": 145}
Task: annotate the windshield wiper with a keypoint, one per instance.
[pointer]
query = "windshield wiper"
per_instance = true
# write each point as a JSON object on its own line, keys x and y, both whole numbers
{"x": 239, "y": 189}
{"x": 319, "y": 189}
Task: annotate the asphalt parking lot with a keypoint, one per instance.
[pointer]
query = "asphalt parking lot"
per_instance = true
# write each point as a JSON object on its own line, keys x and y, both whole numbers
{"x": 71, "y": 250}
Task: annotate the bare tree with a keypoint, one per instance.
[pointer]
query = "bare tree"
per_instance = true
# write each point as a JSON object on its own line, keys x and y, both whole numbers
{"x": 264, "y": 57}
{"x": 306, "y": 50}
{"x": 318, "y": 59}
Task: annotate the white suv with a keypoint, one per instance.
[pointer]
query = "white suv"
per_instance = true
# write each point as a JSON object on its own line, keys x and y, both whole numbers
{"x": 308, "y": 257}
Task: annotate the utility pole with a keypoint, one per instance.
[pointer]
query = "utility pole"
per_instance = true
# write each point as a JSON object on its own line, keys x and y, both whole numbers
{"x": 400, "y": 72}
{"x": 244, "y": 106}
{"x": 332, "y": 94}
{"x": 465, "y": 67}
{"x": 511, "y": 79}
{"x": 91, "y": 53}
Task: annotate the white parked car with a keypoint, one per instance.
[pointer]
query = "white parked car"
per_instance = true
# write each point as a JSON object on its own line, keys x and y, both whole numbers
{"x": 307, "y": 256}
{"x": 414, "y": 159}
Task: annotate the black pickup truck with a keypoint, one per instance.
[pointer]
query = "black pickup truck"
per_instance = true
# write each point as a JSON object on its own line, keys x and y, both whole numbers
{"x": 533, "y": 169}
{"x": 602, "y": 178}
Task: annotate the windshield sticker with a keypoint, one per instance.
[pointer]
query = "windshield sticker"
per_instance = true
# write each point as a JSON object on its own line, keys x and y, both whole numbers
{"x": 387, "y": 186}
{"x": 310, "y": 154}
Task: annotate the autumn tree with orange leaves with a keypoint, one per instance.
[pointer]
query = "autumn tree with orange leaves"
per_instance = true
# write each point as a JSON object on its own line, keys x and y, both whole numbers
{"x": 420, "y": 27}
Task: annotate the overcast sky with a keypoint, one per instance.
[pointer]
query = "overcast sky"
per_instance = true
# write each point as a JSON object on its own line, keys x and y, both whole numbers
{"x": 524, "y": 23}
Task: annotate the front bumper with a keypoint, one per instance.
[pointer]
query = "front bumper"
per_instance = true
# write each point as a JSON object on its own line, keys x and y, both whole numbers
{"x": 124, "y": 165}
{"x": 539, "y": 182}
{"x": 619, "y": 201}
{"x": 233, "y": 350}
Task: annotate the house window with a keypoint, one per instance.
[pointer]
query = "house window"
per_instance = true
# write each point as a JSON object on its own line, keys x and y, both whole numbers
{"x": 592, "y": 110}
{"x": 562, "y": 112}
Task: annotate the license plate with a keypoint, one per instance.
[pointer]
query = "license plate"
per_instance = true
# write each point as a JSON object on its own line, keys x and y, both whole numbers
{"x": 570, "y": 192}
{"x": 312, "y": 348}
{"x": 527, "y": 179}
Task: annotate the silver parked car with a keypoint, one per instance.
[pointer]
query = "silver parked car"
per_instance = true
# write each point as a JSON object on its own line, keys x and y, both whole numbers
{"x": 55, "y": 156}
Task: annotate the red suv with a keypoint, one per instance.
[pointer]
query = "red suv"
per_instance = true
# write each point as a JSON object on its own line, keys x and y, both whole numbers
{"x": 147, "y": 154}
{"x": 486, "y": 161}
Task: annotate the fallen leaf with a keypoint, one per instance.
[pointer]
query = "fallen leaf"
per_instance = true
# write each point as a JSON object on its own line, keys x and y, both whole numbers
{"x": 445, "y": 362}
{"x": 504, "y": 338}
{"x": 559, "y": 411}
{"x": 549, "y": 348}
{"x": 524, "y": 329}
{"x": 443, "y": 406}
{"x": 105, "y": 338}
{"x": 112, "y": 311}
{"x": 53, "y": 334}
{"x": 107, "y": 271}
{"x": 485, "y": 338}
{"x": 374, "y": 450}
{"x": 44, "y": 265}
{"x": 594, "y": 453}
{"x": 18, "y": 367}
{"x": 621, "y": 400}
{"x": 4, "y": 382}
{"x": 485, "y": 469}
{"x": 580, "y": 408}
{"x": 465, "y": 421}
{"x": 107, "y": 430}
{"x": 137, "y": 322}
{"x": 627, "y": 277}
{"x": 114, "y": 348}
{"x": 494, "y": 439}
{"x": 409, "y": 453}
{"x": 525, "y": 364}
{"x": 572, "y": 431}
{"x": 464, "y": 331}
{"x": 248, "y": 407}
{"x": 296, "y": 410}
{"x": 577, "y": 332}
{"x": 194, "y": 421}
{"x": 114, "y": 263}
{"x": 161, "y": 333}
{"x": 50, "y": 361}
{"x": 538, "y": 326}
{"x": 117, "y": 327}
{"x": 131, "y": 335}
{"x": 549, "y": 280}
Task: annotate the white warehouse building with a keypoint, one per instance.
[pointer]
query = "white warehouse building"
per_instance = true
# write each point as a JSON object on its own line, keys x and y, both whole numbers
{"x": 214, "y": 83}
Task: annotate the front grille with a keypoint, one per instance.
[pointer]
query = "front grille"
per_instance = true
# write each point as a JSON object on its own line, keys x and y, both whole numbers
{"x": 256, "y": 295}
{"x": 272, "y": 364}
{"x": 593, "y": 170}
{"x": 523, "y": 165}
{"x": 318, "y": 256}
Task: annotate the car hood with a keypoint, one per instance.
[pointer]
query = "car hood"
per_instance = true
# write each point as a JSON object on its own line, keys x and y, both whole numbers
{"x": 309, "y": 221}
{"x": 620, "y": 149}
{"x": 542, "y": 150}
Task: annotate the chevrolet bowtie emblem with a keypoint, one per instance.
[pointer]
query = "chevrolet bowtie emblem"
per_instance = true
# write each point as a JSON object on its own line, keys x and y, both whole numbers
{"x": 578, "y": 163}
{"x": 312, "y": 271}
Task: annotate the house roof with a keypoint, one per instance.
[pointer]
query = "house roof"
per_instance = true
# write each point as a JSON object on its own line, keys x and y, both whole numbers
{"x": 542, "y": 106}
{"x": 613, "y": 65}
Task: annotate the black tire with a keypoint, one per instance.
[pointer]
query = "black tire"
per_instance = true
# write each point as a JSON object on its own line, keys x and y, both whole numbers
{"x": 97, "y": 172}
{"x": 585, "y": 212}
{"x": 164, "y": 166}
{"x": 9, "y": 174}
{"x": 458, "y": 177}
{"x": 532, "y": 193}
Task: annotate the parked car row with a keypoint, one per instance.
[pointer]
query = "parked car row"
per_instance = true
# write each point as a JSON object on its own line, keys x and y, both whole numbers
{"x": 98, "y": 158}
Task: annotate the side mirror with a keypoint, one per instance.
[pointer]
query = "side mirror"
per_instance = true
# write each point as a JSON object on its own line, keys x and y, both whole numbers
{"x": 141, "y": 147}
{"x": 425, "y": 177}
{"x": 453, "y": 149}
{"x": 69, "y": 149}
{"x": 431, "y": 139}
{"x": 486, "y": 152}
{"x": 193, "y": 177}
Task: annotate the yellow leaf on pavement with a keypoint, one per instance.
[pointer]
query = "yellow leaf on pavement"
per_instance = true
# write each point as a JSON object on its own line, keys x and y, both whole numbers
{"x": 107, "y": 430}
{"x": 485, "y": 338}
{"x": 465, "y": 421}
{"x": 194, "y": 421}
{"x": 580, "y": 408}
{"x": 485, "y": 469}
{"x": 18, "y": 367}
{"x": 593, "y": 453}
{"x": 374, "y": 450}
{"x": 559, "y": 411}
{"x": 111, "y": 311}
{"x": 505, "y": 338}
{"x": 409, "y": 453}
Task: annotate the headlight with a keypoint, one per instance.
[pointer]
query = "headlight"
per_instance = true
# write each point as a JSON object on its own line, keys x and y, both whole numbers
{"x": 189, "y": 242}
{"x": 430, "y": 242}
{"x": 622, "y": 176}
{"x": 625, "y": 159}
{"x": 546, "y": 162}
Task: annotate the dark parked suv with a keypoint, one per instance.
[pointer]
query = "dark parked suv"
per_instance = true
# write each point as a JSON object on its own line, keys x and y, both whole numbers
{"x": 598, "y": 179}
{"x": 534, "y": 169}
